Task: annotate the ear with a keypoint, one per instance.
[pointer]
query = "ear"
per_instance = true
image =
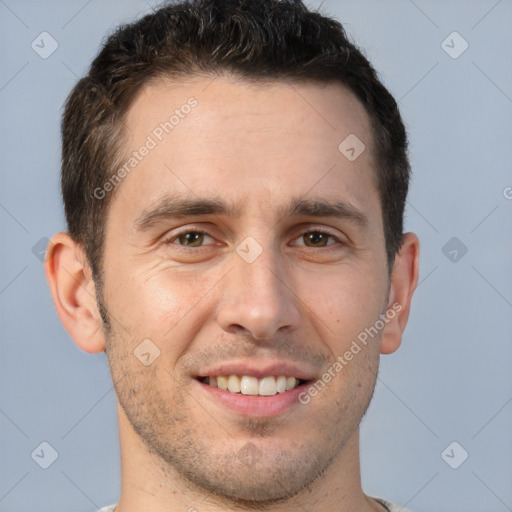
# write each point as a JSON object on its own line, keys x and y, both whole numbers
{"x": 404, "y": 279}
{"x": 73, "y": 292}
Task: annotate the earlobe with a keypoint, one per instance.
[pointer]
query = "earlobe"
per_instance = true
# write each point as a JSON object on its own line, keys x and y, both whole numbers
{"x": 404, "y": 280}
{"x": 73, "y": 292}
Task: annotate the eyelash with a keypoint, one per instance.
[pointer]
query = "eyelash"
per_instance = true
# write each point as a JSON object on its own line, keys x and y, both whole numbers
{"x": 171, "y": 240}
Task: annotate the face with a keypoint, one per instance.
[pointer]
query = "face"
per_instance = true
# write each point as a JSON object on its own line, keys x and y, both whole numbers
{"x": 250, "y": 252}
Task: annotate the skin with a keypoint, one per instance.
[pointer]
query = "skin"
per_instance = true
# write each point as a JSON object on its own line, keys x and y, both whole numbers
{"x": 303, "y": 300}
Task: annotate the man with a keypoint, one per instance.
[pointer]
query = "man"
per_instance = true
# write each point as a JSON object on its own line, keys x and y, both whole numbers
{"x": 234, "y": 178}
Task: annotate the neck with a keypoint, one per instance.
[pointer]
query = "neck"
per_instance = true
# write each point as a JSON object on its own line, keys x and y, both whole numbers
{"x": 150, "y": 484}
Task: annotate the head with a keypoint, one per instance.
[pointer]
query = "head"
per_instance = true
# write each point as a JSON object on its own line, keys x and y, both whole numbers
{"x": 242, "y": 107}
{"x": 260, "y": 42}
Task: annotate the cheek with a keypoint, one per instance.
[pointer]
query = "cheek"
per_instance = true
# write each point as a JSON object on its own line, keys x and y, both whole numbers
{"x": 343, "y": 303}
{"x": 163, "y": 304}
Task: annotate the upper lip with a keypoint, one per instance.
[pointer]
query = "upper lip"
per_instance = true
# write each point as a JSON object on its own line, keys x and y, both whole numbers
{"x": 256, "y": 369}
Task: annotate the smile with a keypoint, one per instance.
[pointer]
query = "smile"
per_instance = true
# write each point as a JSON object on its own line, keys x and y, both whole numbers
{"x": 250, "y": 385}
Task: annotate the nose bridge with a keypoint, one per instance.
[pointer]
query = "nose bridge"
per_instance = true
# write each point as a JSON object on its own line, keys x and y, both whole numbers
{"x": 255, "y": 296}
{"x": 263, "y": 276}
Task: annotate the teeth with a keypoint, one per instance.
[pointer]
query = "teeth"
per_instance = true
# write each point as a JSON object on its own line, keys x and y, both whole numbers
{"x": 291, "y": 382}
{"x": 222, "y": 382}
{"x": 281, "y": 384}
{"x": 248, "y": 385}
{"x": 268, "y": 386}
{"x": 234, "y": 384}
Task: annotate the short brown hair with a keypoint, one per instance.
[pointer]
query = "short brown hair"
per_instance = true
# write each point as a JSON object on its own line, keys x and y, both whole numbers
{"x": 261, "y": 40}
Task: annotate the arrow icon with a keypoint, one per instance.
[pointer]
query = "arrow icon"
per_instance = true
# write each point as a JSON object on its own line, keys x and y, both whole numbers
{"x": 351, "y": 147}
{"x": 454, "y": 45}
{"x": 249, "y": 249}
{"x": 146, "y": 352}
{"x": 44, "y": 455}
{"x": 454, "y": 455}
{"x": 454, "y": 249}
{"x": 44, "y": 45}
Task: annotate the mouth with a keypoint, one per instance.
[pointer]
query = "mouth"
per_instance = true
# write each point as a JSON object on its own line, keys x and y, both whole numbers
{"x": 254, "y": 388}
{"x": 250, "y": 385}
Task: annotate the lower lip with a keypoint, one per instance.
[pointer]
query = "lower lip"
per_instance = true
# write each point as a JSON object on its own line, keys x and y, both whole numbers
{"x": 256, "y": 406}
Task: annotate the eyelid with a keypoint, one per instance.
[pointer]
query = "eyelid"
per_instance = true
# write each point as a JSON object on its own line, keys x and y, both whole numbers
{"x": 188, "y": 229}
{"x": 323, "y": 231}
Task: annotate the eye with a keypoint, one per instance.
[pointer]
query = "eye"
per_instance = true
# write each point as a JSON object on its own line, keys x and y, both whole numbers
{"x": 192, "y": 239}
{"x": 317, "y": 238}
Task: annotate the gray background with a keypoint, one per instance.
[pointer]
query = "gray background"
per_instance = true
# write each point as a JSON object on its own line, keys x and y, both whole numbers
{"x": 450, "y": 380}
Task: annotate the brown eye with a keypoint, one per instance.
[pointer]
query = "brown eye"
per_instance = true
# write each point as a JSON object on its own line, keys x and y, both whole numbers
{"x": 191, "y": 239}
{"x": 316, "y": 239}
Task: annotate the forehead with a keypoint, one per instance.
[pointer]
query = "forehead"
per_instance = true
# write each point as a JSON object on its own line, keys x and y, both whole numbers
{"x": 330, "y": 109}
{"x": 256, "y": 143}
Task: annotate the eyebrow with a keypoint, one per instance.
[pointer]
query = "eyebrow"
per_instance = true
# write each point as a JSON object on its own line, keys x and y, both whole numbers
{"x": 181, "y": 207}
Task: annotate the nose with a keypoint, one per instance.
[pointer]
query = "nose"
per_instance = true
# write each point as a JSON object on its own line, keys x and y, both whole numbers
{"x": 258, "y": 298}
